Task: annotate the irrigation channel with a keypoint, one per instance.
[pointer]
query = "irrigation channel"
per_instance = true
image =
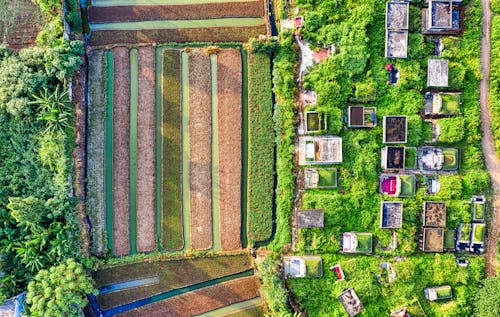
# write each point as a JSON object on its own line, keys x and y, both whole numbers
{"x": 155, "y": 298}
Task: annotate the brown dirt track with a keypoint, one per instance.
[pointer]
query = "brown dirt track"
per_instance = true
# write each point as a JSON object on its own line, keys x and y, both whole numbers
{"x": 212, "y": 34}
{"x": 121, "y": 151}
{"x": 200, "y": 144}
{"x": 146, "y": 151}
{"x": 202, "y": 300}
{"x": 229, "y": 132}
{"x": 176, "y": 12}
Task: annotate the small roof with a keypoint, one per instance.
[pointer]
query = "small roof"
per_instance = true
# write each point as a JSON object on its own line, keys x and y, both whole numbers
{"x": 393, "y": 157}
{"x": 351, "y": 302}
{"x": 439, "y": 292}
{"x": 320, "y": 150}
{"x": 294, "y": 266}
{"x": 308, "y": 97}
{"x": 395, "y": 129}
{"x": 437, "y": 73}
{"x": 391, "y": 214}
{"x": 434, "y": 214}
{"x": 433, "y": 239}
{"x": 357, "y": 242}
{"x": 397, "y": 15}
{"x": 441, "y": 14}
{"x": 313, "y": 218}
{"x": 396, "y": 44}
{"x": 361, "y": 117}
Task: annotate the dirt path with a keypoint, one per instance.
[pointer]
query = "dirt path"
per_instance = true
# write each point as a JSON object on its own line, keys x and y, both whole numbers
{"x": 121, "y": 149}
{"x": 492, "y": 162}
{"x": 146, "y": 212}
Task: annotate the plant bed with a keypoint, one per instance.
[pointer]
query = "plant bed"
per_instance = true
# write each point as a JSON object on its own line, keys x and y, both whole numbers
{"x": 172, "y": 274}
{"x": 433, "y": 239}
{"x": 410, "y": 158}
{"x": 314, "y": 267}
{"x": 121, "y": 151}
{"x": 146, "y": 195}
{"x": 434, "y": 214}
{"x": 172, "y": 230}
{"x": 229, "y": 86}
{"x": 200, "y": 149}
{"x": 451, "y": 159}
{"x": 408, "y": 184}
{"x": 478, "y": 230}
{"x": 449, "y": 240}
{"x": 450, "y": 103}
{"x": 327, "y": 177}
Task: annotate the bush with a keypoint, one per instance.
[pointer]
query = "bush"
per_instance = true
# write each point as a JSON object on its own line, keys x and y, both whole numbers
{"x": 452, "y": 129}
{"x": 272, "y": 291}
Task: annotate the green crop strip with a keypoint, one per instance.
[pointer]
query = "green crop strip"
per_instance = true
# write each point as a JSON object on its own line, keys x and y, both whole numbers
{"x": 176, "y": 24}
{"x": 134, "y": 90}
{"x": 244, "y": 147}
{"x": 158, "y": 156}
{"x": 185, "y": 151}
{"x": 237, "y": 309}
{"x": 108, "y": 3}
{"x": 215, "y": 158}
{"x": 109, "y": 148}
{"x": 172, "y": 152}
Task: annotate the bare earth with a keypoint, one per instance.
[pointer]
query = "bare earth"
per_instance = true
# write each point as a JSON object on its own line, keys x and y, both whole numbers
{"x": 146, "y": 151}
{"x": 492, "y": 162}
{"x": 121, "y": 151}
{"x": 229, "y": 132}
{"x": 202, "y": 300}
{"x": 200, "y": 144}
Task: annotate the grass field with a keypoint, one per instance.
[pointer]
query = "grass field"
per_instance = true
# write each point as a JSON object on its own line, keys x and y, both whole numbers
{"x": 172, "y": 273}
{"x": 451, "y": 103}
{"x": 172, "y": 233}
{"x": 176, "y": 24}
{"x": 96, "y": 142}
{"x": 410, "y": 158}
{"x": 450, "y": 159}
{"x": 327, "y": 177}
{"x": 407, "y": 185}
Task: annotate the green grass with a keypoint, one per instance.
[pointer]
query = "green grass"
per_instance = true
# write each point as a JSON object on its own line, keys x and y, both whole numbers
{"x": 465, "y": 232}
{"x": 215, "y": 159}
{"x": 134, "y": 93}
{"x": 327, "y": 177}
{"x": 261, "y": 149}
{"x": 451, "y": 103}
{"x": 449, "y": 239}
{"x": 364, "y": 242}
{"x": 410, "y": 158}
{"x": 105, "y": 3}
{"x": 450, "y": 159}
{"x": 172, "y": 152}
{"x": 185, "y": 151}
{"x": 407, "y": 185}
{"x": 312, "y": 121}
{"x": 177, "y": 24}
{"x": 109, "y": 148}
{"x": 478, "y": 235}
{"x": 314, "y": 267}
{"x": 479, "y": 211}
{"x": 443, "y": 293}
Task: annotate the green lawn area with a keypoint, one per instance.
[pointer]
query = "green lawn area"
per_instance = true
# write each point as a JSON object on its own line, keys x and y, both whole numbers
{"x": 327, "y": 177}
{"x": 364, "y": 242}
{"x": 314, "y": 267}
{"x": 451, "y": 103}
{"x": 407, "y": 185}
{"x": 410, "y": 158}
{"x": 478, "y": 235}
{"x": 451, "y": 159}
{"x": 449, "y": 239}
{"x": 443, "y": 292}
{"x": 312, "y": 121}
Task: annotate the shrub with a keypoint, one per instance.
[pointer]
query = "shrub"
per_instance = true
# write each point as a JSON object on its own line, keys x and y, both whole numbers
{"x": 452, "y": 129}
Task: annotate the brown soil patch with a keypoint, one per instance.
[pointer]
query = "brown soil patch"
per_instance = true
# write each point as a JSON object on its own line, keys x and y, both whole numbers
{"x": 229, "y": 134}
{"x": 203, "y": 300}
{"x": 121, "y": 151}
{"x": 433, "y": 239}
{"x": 213, "y": 34}
{"x": 435, "y": 214}
{"x": 146, "y": 212}
{"x": 176, "y": 12}
{"x": 22, "y": 27}
{"x": 200, "y": 145}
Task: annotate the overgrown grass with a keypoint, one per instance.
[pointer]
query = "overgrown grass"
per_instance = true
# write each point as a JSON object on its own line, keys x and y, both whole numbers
{"x": 172, "y": 233}
{"x": 260, "y": 149}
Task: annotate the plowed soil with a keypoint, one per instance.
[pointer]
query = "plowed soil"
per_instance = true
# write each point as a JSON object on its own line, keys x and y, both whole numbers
{"x": 229, "y": 132}
{"x": 121, "y": 151}
{"x": 200, "y": 142}
{"x": 202, "y": 300}
{"x": 176, "y": 12}
{"x": 146, "y": 151}
{"x": 212, "y": 34}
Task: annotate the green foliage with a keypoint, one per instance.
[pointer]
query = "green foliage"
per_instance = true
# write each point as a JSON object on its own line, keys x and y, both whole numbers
{"x": 261, "y": 148}
{"x": 495, "y": 79}
{"x": 51, "y": 7}
{"x": 487, "y": 298}
{"x": 267, "y": 46}
{"x": 54, "y": 109}
{"x": 272, "y": 290}
{"x": 59, "y": 291}
{"x": 72, "y": 15}
{"x": 452, "y": 129}
{"x": 366, "y": 90}
{"x": 495, "y": 7}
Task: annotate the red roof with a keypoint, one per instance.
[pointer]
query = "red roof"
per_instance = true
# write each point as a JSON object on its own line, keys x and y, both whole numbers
{"x": 321, "y": 55}
{"x": 299, "y": 21}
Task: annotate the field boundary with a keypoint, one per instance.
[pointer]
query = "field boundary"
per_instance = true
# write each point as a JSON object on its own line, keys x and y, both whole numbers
{"x": 158, "y": 144}
{"x": 185, "y": 153}
{"x": 109, "y": 148}
{"x": 244, "y": 147}
{"x": 216, "y": 239}
{"x": 134, "y": 89}
{"x": 176, "y": 24}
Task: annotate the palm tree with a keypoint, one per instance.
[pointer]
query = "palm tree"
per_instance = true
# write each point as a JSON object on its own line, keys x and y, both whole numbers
{"x": 55, "y": 109}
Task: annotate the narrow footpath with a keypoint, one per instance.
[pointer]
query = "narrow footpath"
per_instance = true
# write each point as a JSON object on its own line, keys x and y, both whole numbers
{"x": 490, "y": 155}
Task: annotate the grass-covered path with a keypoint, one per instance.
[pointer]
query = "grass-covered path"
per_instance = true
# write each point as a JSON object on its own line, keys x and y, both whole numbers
{"x": 490, "y": 155}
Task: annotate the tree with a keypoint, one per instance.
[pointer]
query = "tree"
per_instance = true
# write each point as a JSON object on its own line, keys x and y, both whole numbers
{"x": 59, "y": 291}
{"x": 272, "y": 291}
{"x": 55, "y": 109}
{"x": 487, "y": 298}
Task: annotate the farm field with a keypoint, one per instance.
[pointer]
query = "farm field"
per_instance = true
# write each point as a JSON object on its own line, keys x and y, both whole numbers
{"x": 109, "y": 3}
{"x": 169, "y": 151}
{"x": 20, "y": 27}
{"x": 212, "y": 10}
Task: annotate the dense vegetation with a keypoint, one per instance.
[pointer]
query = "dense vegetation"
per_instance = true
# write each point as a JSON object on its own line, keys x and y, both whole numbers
{"x": 495, "y": 76}
{"x": 487, "y": 298}
{"x": 356, "y": 73}
{"x": 38, "y": 228}
{"x": 260, "y": 148}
